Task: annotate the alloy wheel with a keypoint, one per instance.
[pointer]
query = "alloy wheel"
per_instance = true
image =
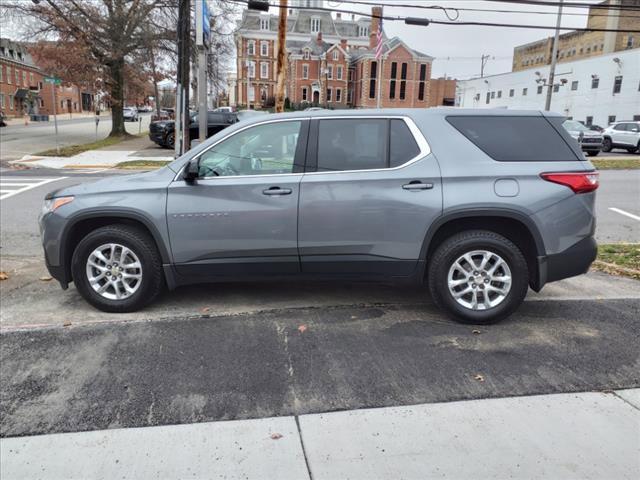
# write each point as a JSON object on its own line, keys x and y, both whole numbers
{"x": 114, "y": 271}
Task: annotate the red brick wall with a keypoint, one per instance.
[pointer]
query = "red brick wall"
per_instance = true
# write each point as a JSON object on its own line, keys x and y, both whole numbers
{"x": 9, "y": 85}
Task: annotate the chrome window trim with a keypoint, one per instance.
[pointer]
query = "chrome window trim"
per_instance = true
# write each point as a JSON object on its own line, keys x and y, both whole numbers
{"x": 423, "y": 145}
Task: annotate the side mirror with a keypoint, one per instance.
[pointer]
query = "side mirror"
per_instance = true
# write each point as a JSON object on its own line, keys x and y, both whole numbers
{"x": 191, "y": 171}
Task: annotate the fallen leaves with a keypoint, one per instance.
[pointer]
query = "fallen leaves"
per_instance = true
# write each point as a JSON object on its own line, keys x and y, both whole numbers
{"x": 477, "y": 332}
{"x": 66, "y": 324}
{"x": 205, "y": 310}
{"x": 4, "y": 276}
{"x": 276, "y": 436}
{"x": 302, "y": 328}
{"x": 479, "y": 377}
{"x": 45, "y": 279}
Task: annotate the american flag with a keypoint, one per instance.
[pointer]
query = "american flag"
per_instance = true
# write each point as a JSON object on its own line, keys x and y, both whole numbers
{"x": 379, "y": 40}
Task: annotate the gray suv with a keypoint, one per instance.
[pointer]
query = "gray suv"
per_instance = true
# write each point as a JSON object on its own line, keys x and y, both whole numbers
{"x": 480, "y": 205}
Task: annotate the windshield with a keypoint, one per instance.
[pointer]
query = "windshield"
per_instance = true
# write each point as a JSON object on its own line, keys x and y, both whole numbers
{"x": 572, "y": 125}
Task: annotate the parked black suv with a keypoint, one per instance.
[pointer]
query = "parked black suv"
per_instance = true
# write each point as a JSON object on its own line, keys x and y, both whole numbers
{"x": 163, "y": 131}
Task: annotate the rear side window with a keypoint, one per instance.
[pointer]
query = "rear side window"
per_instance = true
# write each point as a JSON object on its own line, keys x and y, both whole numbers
{"x": 402, "y": 145}
{"x": 515, "y": 139}
{"x": 352, "y": 144}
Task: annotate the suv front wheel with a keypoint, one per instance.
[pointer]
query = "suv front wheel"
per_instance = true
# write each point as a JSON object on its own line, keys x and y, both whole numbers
{"x": 117, "y": 268}
{"x": 478, "y": 277}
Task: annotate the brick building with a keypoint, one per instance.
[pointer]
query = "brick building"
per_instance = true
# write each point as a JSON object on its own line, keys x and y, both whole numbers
{"x": 443, "y": 92}
{"x": 24, "y": 91}
{"x": 331, "y": 62}
{"x": 578, "y": 45}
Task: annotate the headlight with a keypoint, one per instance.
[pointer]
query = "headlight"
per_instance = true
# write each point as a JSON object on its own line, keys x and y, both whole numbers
{"x": 52, "y": 204}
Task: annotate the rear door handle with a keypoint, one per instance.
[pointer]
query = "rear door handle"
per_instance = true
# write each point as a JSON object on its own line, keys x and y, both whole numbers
{"x": 417, "y": 185}
{"x": 277, "y": 191}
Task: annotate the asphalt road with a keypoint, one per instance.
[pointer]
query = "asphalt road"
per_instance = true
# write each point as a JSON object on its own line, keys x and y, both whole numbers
{"x": 263, "y": 365}
{"x": 17, "y": 141}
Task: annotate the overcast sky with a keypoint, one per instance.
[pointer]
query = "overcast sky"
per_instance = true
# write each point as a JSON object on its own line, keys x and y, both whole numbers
{"x": 458, "y": 49}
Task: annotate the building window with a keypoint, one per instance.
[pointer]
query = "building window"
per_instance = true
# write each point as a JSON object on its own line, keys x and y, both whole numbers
{"x": 251, "y": 47}
{"x": 617, "y": 84}
{"x": 524, "y": 92}
{"x": 17, "y": 76}
{"x": 264, "y": 49}
{"x": 423, "y": 78}
{"x": 589, "y": 121}
{"x": 24, "y": 78}
{"x": 512, "y": 92}
{"x": 8, "y": 74}
{"x": 349, "y": 96}
{"x": 403, "y": 81}
{"x": 488, "y": 98}
{"x": 372, "y": 79}
{"x": 304, "y": 94}
{"x": 40, "y": 85}
{"x": 305, "y": 71}
{"x": 363, "y": 31}
{"x": 556, "y": 87}
{"x": 339, "y": 72}
{"x": 264, "y": 69}
{"x": 31, "y": 78}
{"x": 329, "y": 92}
{"x": 338, "y": 95}
{"x": 493, "y": 94}
{"x": 595, "y": 81}
{"x": 10, "y": 102}
{"x": 330, "y": 72}
{"x": 264, "y": 23}
{"x": 1, "y": 70}
{"x": 499, "y": 93}
{"x": 307, "y": 55}
{"x": 1, "y": 100}
{"x": 612, "y": 118}
{"x": 335, "y": 55}
{"x": 574, "y": 85}
{"x": 252, "y": 69}
{"x": 629, "y": 41}
{"x": 315, "y": 25}
{"x": 392, "y": 82}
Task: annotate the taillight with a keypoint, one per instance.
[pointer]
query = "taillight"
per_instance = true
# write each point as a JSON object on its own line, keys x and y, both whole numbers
{"x": 578, "y": 182}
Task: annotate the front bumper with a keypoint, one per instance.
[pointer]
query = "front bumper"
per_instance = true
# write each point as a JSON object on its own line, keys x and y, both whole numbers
{"x": 571, "y": 262}
{"x": 157, "y": 137}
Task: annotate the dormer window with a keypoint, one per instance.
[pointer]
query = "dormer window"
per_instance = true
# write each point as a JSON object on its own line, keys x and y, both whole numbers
{"x": 307, "y": 55}
{"x": 315, "y": 25}
{"x": 264, "y": 23}
{"x": 335, "y": 54}
{"x": 363, "y": 31}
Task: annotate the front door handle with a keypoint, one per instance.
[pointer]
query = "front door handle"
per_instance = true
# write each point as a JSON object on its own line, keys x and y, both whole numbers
{"x": 417, "y": 185}
{"x": 277, "y": 191}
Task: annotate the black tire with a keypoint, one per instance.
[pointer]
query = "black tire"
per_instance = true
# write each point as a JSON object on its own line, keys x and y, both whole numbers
{"x": 632, "y": 149}
{"x": 170, "y": 140}
{"x": 142, "y": 245}
{"x": 456, "y": 246}
{"x": 607, "y": 145}
{"x": 593, "y": 153}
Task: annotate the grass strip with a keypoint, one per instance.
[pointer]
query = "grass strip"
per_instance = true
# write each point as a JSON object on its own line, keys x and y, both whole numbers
{"x": 621, "y": 259}
{"x": 622, "y": 164}
{"x": 142, "y": 164}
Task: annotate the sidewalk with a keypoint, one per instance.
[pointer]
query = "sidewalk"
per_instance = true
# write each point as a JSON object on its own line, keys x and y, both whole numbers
{"x": 582, "y": 436}
{"x": 61, "y": 117}
{"x": 135, "y": 149}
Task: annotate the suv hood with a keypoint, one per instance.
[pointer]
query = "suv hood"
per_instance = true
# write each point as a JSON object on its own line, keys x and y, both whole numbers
{"x": 160, "y": 178}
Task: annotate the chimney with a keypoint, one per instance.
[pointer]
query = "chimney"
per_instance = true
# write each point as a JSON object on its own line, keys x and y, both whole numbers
{"x": 319, "y": 39}
{"x": 338, "y": 16}
{"x": 343, "y": 44}
{"x": 376, "y": 14}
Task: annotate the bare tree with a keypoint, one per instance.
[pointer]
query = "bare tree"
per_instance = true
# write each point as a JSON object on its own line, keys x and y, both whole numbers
{"x": 111, "y": 31}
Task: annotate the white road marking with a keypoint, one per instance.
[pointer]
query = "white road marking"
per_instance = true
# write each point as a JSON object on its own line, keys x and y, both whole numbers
{"x": 26, "y": 183}
{"x": 627, "y": 214}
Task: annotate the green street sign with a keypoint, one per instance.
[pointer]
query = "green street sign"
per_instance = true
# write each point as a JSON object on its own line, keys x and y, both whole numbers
{"x": 54, "y": 80}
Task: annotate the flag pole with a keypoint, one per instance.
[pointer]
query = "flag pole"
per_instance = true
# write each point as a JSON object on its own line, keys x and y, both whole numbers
{"x": 380, "y": 69}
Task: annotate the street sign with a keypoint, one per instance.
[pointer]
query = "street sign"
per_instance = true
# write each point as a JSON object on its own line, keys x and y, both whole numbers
{"x": 203, "y": 27}
{"x": 53, "y": 80}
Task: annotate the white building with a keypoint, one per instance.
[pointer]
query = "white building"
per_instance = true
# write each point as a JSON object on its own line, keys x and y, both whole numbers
{"x": 597, "y": 90}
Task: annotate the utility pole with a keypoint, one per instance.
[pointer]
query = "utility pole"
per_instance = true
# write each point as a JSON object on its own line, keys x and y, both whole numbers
{"x": 554, "y": 54}
{"x": 281, "y": 66}
{"x": 181, "y": 130}
{"x": 202, "y": 43}
{"x": 483, "y": 62}
{"x": 380, "y": 72}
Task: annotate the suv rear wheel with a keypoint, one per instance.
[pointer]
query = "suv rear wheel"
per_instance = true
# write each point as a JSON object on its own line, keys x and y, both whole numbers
{"x": 117, "y": 268}
{"x": 478, "y": 277}
{"x": 606, "y": 145}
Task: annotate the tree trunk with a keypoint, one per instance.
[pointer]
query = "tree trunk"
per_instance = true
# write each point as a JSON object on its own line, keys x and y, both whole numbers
{"x": 116, "y": 69}
{"x": 281, "y": 65}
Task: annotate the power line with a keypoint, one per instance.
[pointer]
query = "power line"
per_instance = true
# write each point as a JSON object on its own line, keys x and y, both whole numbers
{"x": 466, "y": 9}
{"x": 633, "y": 8}
{"x": 441, "y": 22}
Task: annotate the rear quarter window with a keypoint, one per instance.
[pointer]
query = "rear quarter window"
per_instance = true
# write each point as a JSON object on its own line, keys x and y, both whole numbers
{"x": 516, "y": 139}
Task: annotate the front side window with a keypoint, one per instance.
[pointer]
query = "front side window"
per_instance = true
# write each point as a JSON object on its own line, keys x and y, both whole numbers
{"x": 261, "y": 150}
{"x": 352, "y": 144}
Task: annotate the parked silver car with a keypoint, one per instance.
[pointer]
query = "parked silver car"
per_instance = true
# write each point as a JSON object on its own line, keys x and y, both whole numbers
{"x": 130, "y": 114}
{"x": 624, "y": 135}
{"x": 479, "y": 205}
{"x": 590, "y": 141}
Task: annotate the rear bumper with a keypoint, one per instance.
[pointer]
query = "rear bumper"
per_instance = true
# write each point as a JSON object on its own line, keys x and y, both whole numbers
{"x": 571, "y": 262}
